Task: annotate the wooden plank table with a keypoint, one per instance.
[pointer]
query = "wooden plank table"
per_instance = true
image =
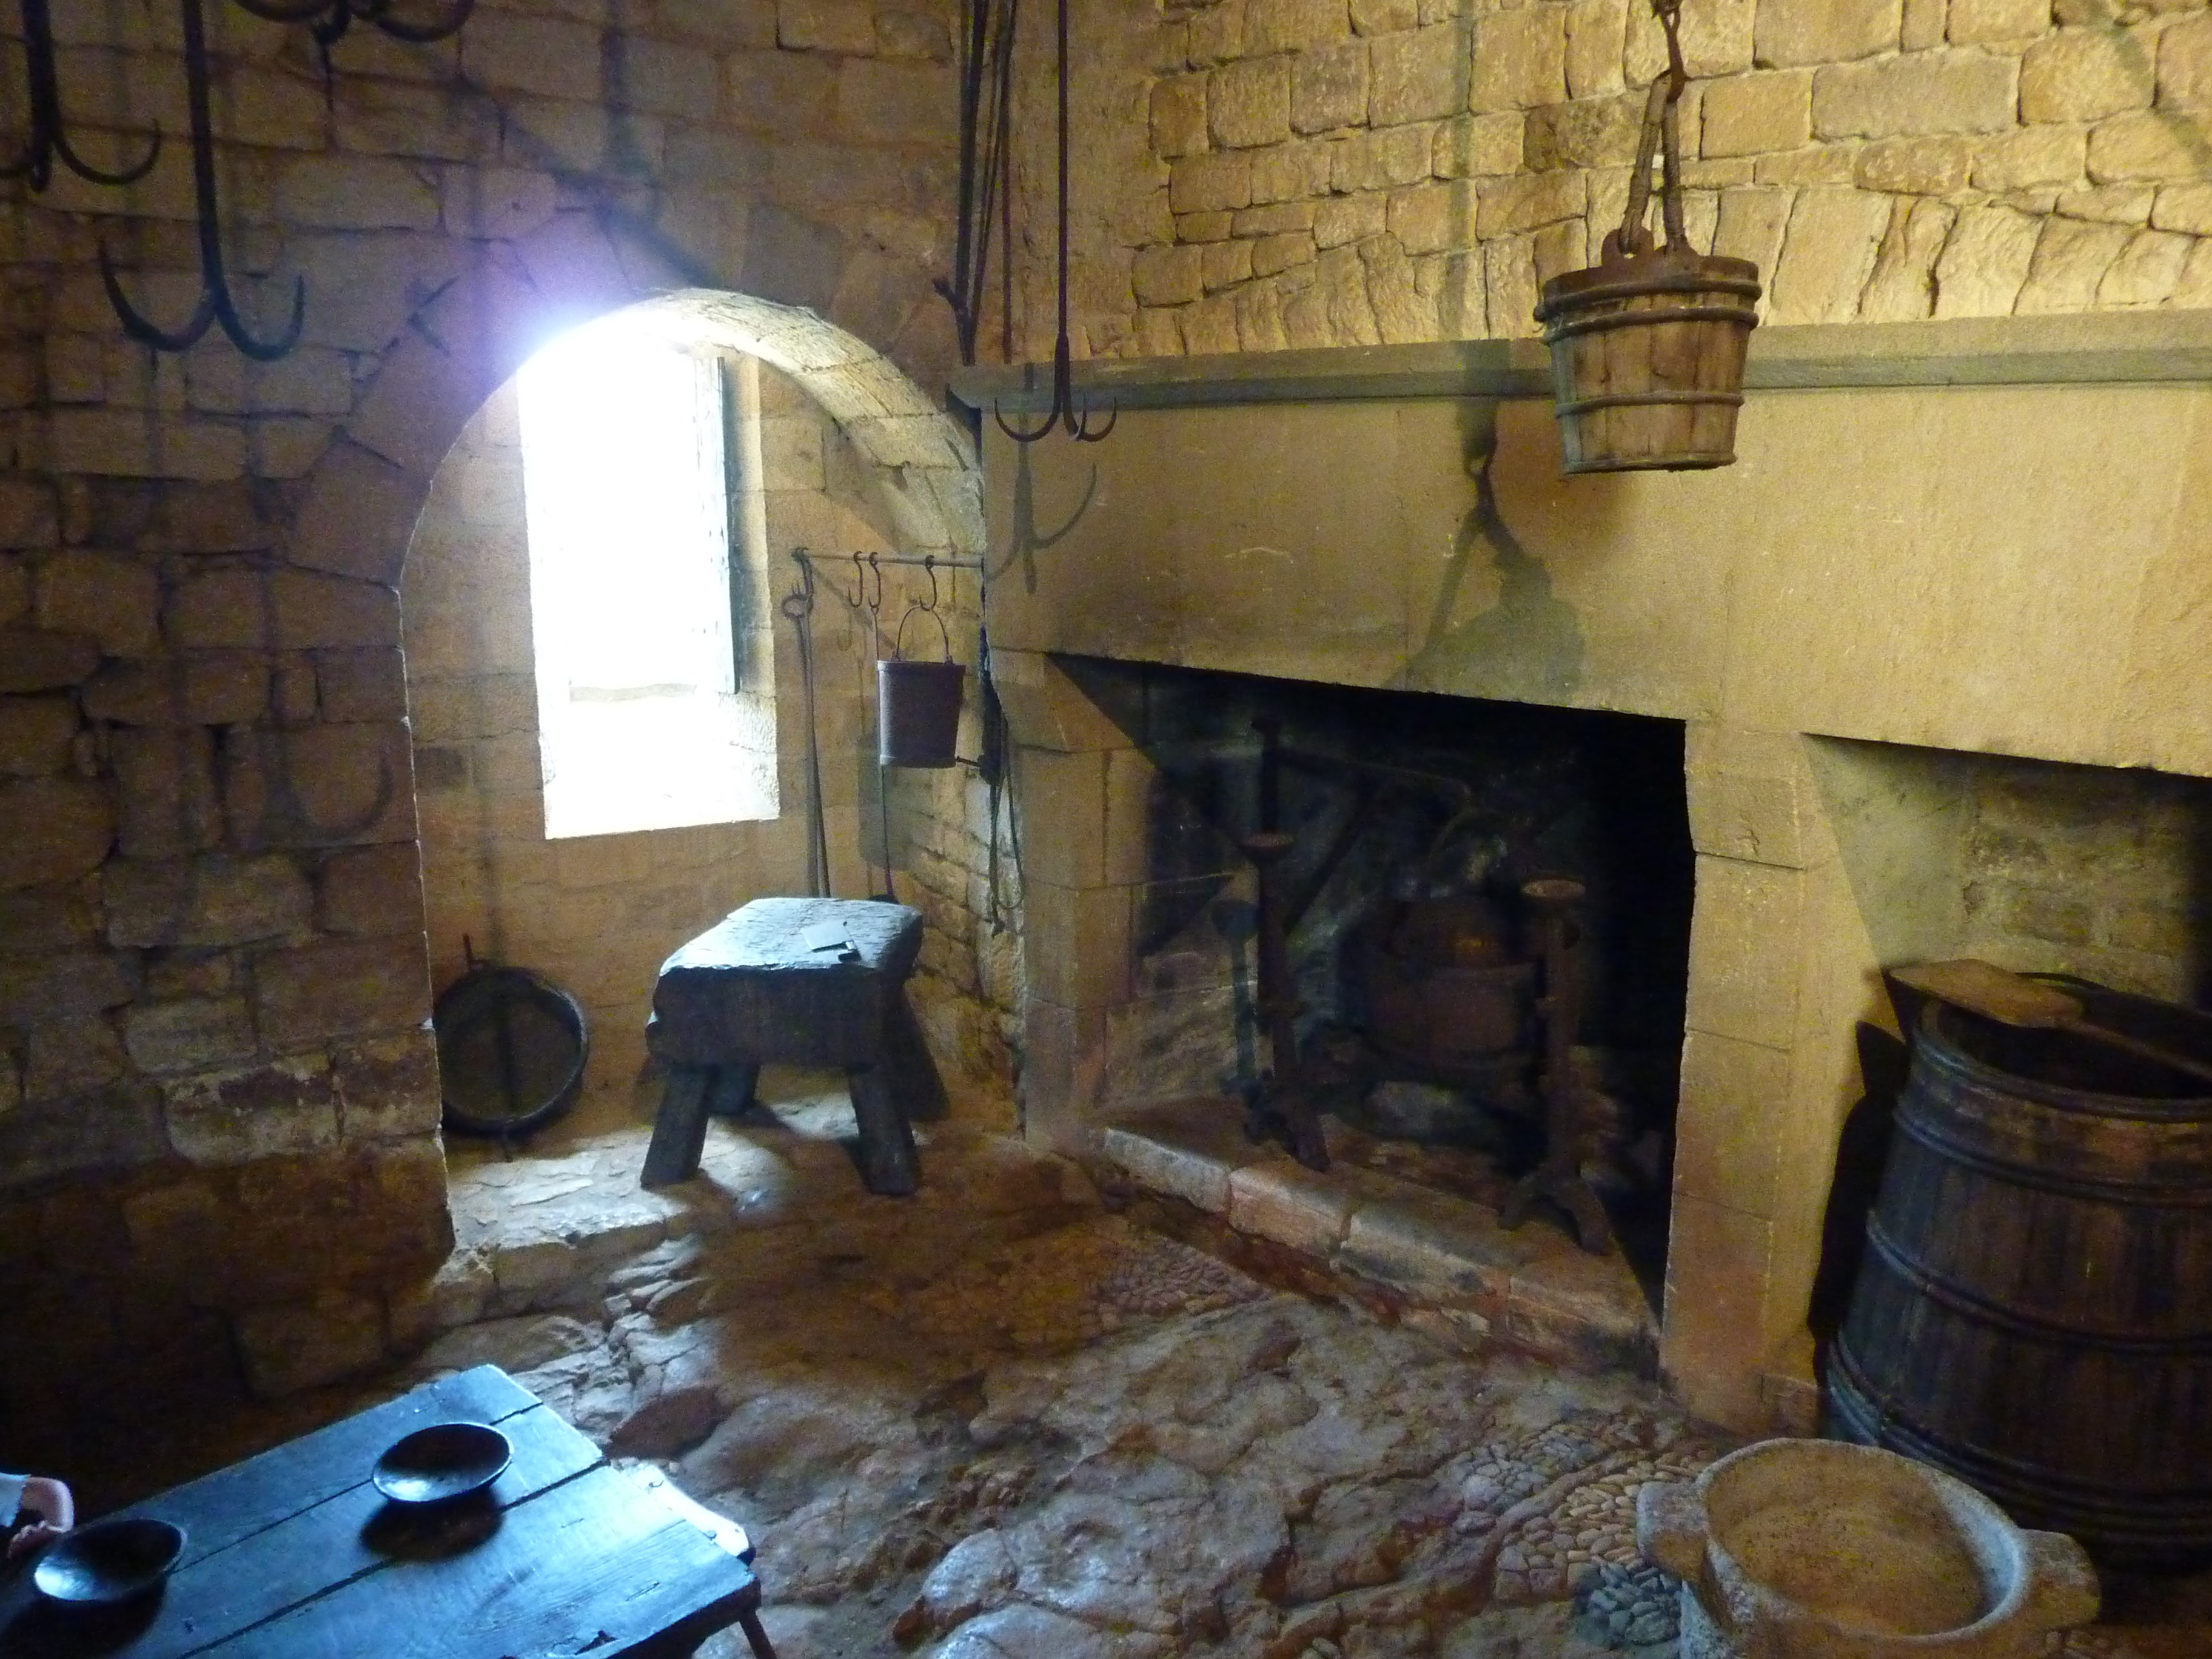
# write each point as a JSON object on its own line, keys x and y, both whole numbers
{"x": 295, "y": 1555}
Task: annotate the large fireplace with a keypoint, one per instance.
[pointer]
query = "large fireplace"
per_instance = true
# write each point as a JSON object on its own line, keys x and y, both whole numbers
{"x": 1934, "y": 649}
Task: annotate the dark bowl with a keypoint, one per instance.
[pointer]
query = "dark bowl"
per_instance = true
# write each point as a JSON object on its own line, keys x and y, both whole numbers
{"x": 442, "y": 1462}
{"x": 109, "y": 1561}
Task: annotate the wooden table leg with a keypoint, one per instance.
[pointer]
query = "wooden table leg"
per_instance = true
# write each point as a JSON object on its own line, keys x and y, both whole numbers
{"x": 679, "y": 1129}
{"x": 749, "y": 1621}
{"x": 889, "y": 1164}
{"x": 731, "y": 1094}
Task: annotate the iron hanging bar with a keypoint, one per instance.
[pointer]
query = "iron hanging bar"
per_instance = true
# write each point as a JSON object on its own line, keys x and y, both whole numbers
{"x": 986, "y": 83}
{"x": 215, "y": 304}
{"x": 919, "y": 561}
{"x": 48, "y": 136}
{"x": 333, "y": 17}
{"x": 1063, "y": 412}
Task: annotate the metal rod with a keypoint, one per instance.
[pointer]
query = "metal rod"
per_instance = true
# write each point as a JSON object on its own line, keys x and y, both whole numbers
{"x": 919, "y": 561}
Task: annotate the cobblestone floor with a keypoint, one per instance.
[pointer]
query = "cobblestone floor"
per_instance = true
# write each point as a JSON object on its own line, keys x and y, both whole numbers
{"x": 998, "y": 1422}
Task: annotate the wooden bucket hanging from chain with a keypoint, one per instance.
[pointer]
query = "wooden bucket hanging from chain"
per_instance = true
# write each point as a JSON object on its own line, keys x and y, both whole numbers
{"x": 1647, "y": 345}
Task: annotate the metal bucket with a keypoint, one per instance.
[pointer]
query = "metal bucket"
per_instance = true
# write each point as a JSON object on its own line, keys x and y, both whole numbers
{"x": 1647, "y": 358}
{"x": 918, "y": 712}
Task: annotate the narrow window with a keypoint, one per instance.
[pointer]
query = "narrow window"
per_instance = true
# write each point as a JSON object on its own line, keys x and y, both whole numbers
{"x": 628, "y": 491}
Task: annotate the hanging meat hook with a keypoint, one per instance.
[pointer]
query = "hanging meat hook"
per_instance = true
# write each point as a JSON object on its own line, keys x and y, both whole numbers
{"x": 48, "y": 136}
{"x": 1063, "y": 411}
{"x": 216, "y": 305}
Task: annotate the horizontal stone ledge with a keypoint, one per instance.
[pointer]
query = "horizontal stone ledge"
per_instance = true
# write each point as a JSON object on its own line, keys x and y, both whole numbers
{"x": 2099, "y": 348}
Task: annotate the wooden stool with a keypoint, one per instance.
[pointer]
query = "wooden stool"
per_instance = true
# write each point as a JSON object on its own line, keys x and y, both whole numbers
{"x": 803, "y": 981}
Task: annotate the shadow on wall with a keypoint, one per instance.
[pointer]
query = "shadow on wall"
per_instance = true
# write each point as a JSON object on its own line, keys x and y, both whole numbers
{"x": 1529, "y": 638}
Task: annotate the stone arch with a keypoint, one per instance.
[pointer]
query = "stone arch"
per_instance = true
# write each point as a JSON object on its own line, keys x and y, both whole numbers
{"x": 462, "y": 343}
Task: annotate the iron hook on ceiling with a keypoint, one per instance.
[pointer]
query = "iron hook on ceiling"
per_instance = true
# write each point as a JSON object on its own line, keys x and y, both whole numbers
{"x": 1063, "y": 411}
{"x": 48, "y": 136}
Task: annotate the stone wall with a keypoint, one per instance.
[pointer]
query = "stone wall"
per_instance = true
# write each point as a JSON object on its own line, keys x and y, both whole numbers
{"x": 216, "y": 1105}
{"x": 1257, "y": 174}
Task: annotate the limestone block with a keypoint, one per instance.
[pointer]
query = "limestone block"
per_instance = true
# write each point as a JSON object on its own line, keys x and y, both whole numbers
{"x": 1384, "y": 16}
{"x": 2033, "y": 155}
{"x": 1199, "y": 184}
{"x": 1177, "y": 115}
{"x": 1984, "y": 263}
{"x": 1524, "y": 202}
{"x": 70, "y": 1058}
{"x": 2147, "y": 270}
{"x": 1374, "y": 161}
{"x": 310, "y": 381}
{"x": 1273, "y": 218}
{"x": 37, "y": 735}
{"x": 311, "y": 610}
{"x": 1794, "y": 33}
{"x": 165, "y": 781}
{"x": 889, "y": 101}
{"x": 2085, "y": 74}
{"x": 1712, "y": 1349}
{"x": 321, "y": 786}
{"x": 1225, "y": 263}
{"x": 1510, "y": 285}
{"x": 1596, "y": 32}
{"x": 841, "y": 26}
{"x": 519, "y": 52}
{"x": 1597, "y": 132}
{"x": 1078, "y": 944}
{"x": 1420, "y": 75}
{"x": 1294, "y": 25}
{"x": 1477, "y": 147}
{"x": 289, "y": 1348}
{"x": 225, "y": 606}
{"x": 1924, "y": 22}
{"x": 350, "y": 193}
{"x": 1927, "y": 92}
{"x": 2184, "y": 64}
{"x": 341, "y": 988}
{"x": 1342, "y": 219}
{"x": 200, "y": 688}
{"x": 396, "y": 118}
{"x": 58, "y": 827}
{"x": 2113, "y": 204}
{"x": 1062, "y": 801}
{"x": 131, "y": 444}
{"x": 1430, "y": 218}
{"x": 1734, "y": 1094}
{"x": 1436, "y": 1247}
{"x": 2071, "y": 258}
{"x": 1061, "y": 1082}
{"x": 1983, "y": 22}
{"x": 1292, "y": 1206}
{"x": 388, "y": 1090}
{"x": 64, "y": 984}
{"x": 912, "y": 35}
{"x": 495, "y": 202}
{"x": 193, "y": 1034}
{"x": 1329, "y": 87}
{"x": 2184, "y": 208}
{"x": 1915, "y": 166}
{"x": 28, "y": 517}
{"x": 1743, "y": 951}
{"x": 1292, "y": 172}
{"x": 370, "y": 892}
{"x": 2146, "y": 145}
{"x": 1519, "y": 59}
{"x": 1750, "y": 225}
{"x": 358, "y": 515}
{"x": 1259, "y": 305}
{"x": 209, "y": 901}
{"x": 1745, "y": 114}
{"x": 364, "y": 685}
{"x": 1816, "y": 164}
{"x": 111, "y": 598}
{"x": 1903, "y": 286}
{"x": 1247, "y": 104}
{"x": 1167, "y": 275}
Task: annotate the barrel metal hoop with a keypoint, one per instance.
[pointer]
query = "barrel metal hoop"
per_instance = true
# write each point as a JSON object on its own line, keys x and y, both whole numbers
{"x": 1562, "y": 328}
{"x": 1639, "y": 399}
{"x": 1924, "y": 1131}
{"x": 1636, "y": 288}
{"x": 1959, "y": 1300}
{"x": 2012, "y": 1482}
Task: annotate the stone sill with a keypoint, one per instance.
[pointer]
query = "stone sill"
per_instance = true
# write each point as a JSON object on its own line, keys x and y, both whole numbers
{"x": 1427, "y": 1250}
{"x": 2103, "y": 348}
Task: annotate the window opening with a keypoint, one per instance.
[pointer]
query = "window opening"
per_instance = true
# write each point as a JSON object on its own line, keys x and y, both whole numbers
{"x": 628, "y": 494}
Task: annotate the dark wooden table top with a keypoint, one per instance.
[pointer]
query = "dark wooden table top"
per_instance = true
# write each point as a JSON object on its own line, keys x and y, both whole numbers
{"x": 295, "y": 1555}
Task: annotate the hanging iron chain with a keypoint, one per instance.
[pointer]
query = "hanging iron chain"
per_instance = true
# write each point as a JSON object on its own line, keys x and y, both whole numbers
{"x": 1662, "y": 133}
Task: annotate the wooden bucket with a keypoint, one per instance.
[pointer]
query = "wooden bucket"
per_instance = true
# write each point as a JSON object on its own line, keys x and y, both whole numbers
{"x": 2034, "y": 1310}
{"x": 1647, "y": 358}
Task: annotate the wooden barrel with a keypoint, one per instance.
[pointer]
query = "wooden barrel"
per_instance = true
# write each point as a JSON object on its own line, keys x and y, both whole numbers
{"x": 2033, "y": 1312}
{"x": 1647, "y": 358}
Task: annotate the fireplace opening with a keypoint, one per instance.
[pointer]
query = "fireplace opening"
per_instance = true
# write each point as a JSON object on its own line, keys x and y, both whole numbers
{"x": 1415, "y": 824}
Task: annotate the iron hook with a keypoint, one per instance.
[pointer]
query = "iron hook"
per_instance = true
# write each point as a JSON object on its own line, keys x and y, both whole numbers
{"x": 929, "y": 569}
{"x": 876, "y": 605}
{"x": 48, "y": 136}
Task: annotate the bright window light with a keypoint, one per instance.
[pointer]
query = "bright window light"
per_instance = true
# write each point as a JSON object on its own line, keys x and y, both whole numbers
{"x": 626, "y": 486}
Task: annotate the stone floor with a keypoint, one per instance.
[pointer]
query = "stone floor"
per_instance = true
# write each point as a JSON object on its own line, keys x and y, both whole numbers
{"x": 1001, "y": 1420}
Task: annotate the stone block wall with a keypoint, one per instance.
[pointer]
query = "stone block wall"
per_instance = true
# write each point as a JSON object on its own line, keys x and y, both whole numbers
{"x": 1258, "y": 174}
{"x": 217, "y": 1107}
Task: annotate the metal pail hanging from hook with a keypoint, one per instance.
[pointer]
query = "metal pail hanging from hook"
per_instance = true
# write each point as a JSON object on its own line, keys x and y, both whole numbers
{"x": 918, "y": 703}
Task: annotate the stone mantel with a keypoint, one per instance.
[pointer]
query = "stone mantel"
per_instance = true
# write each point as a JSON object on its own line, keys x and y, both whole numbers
{"x": 1977, "y": 535}
{"x": 2109, "y": 347}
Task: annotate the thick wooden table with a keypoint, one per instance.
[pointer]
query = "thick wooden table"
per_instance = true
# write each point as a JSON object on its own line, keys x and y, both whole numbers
{"x": 293, "y": 1555}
